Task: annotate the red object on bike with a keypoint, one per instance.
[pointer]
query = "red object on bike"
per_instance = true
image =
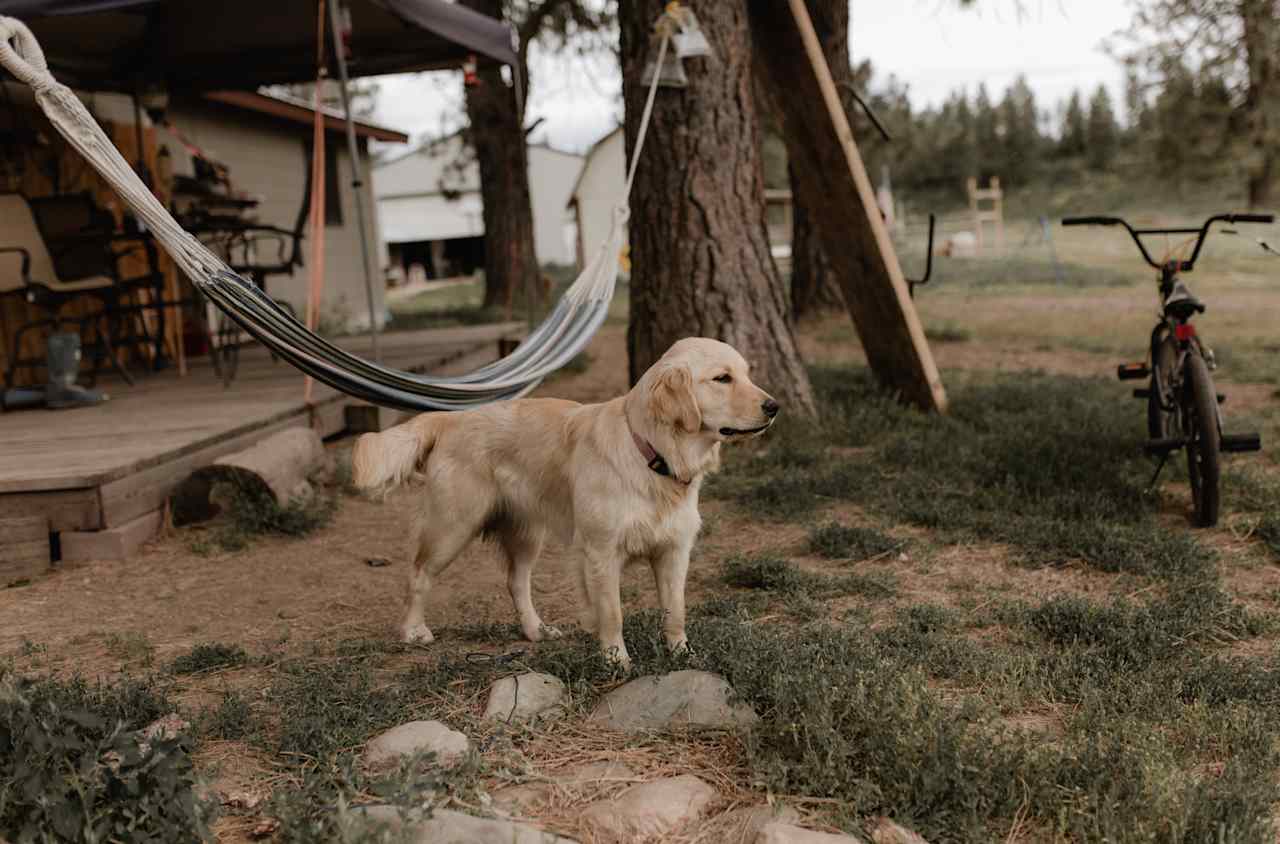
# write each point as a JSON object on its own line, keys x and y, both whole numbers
{"x": 1185, "y": 331}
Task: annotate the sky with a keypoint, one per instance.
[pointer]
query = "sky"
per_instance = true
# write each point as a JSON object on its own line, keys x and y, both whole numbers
{"x": 931, "y": 45}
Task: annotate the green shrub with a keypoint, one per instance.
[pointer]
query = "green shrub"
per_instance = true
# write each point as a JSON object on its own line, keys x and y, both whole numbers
{"x": 72, "y": 767}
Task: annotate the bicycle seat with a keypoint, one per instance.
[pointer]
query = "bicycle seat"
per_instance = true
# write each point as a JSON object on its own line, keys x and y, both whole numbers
{"x": 1181, "y": 302}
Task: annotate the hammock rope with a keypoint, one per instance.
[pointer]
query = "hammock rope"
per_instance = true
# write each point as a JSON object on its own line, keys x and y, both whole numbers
{"x": 561, "y": 336}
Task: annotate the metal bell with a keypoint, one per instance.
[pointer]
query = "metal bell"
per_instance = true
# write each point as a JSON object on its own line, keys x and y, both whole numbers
{"x": 670, "y": 75}
{"x": 689, "y": 42}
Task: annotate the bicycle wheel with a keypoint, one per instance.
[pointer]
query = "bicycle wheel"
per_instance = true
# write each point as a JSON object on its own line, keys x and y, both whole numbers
{"x": 1200, "y": 424}
{"x": 1164, "y": 357}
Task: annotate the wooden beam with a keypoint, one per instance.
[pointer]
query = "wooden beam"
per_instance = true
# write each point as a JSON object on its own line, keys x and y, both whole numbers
{"x": 117, "y": 543}
{"x": 70, "y": 509}
{"x": 24, "y": 549}
{"x": 832, "y": 179}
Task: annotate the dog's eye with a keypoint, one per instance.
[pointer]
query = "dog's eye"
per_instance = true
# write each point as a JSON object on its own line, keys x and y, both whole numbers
{"x": 723, "y": 379}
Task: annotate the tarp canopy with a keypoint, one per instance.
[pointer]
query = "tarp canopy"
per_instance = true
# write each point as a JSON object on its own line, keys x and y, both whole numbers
{"x": 120, "y": 45}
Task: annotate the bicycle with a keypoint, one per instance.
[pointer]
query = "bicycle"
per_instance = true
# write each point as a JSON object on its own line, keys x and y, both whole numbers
{"x": 1184, "y": 411}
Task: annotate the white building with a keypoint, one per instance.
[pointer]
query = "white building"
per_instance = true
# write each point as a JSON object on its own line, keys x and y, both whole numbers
{"x": 264, "y": 141}
{"x": 600, "y": 185}
{"x": 431, "y": 212}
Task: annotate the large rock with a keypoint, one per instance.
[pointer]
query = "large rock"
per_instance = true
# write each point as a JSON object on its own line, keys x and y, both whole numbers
{"x": 650, "y": 809}
{"x": 785, "y": 833}
{"x": 448, "y": 827}
{"x": 530, "y": 796}
{"x": 449, "y": 746}
{"x": 526, "y": 696}
{"x": 678, "y": 699}
{"x": 888, "y": 832}
{"x": 743, "y": 825}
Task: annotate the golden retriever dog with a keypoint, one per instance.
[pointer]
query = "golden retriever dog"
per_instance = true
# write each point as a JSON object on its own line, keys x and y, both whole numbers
{"x": 616, "y": 482}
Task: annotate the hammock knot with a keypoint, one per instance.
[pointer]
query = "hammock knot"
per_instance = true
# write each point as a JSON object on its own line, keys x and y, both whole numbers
{"x": 21, "y": 55}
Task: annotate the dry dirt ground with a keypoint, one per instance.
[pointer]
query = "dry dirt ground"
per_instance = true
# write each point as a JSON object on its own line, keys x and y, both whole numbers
{"x": 292, "y": 594}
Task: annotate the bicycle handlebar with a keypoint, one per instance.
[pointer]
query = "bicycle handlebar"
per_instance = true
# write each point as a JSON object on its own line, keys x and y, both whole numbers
{"x": 1090, "y": 221}
{"x": 1201, "y": 233}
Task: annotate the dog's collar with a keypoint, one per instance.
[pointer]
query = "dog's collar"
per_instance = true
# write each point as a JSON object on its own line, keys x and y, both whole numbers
{"x": 656, "y": 461}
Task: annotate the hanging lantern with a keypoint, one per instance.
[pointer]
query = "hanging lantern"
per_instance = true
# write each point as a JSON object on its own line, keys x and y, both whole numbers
{"x": 680, "y": 26}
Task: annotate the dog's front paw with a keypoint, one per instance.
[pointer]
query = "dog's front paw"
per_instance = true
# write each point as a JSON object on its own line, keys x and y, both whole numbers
{"x": 617, "y": 654}
{"x": 680, "y": 646}
{"x": 546, "y": 631}
{"x": 418, "y": 634}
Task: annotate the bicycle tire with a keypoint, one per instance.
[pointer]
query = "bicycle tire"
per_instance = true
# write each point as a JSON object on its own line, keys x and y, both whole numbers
{"x": 1164, "y": 357}
{"x": 1200, "y": 415}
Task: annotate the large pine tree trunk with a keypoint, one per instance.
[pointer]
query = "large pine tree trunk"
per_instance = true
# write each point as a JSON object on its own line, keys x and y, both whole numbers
{"x": 814, "y": 287}
{"x": 510, "y": 259}
{"x": 1261, "y": 41}
{"x": 699, "y": 244}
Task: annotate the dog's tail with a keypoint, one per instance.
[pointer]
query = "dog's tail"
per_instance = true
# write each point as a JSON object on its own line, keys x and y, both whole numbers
{"x": 381, "y": 462}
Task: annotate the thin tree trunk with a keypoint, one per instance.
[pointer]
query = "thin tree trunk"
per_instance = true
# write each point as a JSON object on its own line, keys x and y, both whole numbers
{"x": 814, "y": 287}
{"x": 699, "y": 243}
{"x": 1261, "y": 40}
{"x": 510, "y": 259}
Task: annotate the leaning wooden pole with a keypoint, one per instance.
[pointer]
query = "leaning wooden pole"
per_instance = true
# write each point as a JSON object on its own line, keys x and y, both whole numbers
{"x": 830, "y": 175}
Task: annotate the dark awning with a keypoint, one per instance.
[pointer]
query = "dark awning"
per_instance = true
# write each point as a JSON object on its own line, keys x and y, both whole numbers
{"x": 212, "y": 44}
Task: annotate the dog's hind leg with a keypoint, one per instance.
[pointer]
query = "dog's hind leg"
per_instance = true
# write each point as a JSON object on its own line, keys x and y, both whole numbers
{"x": 522, "y": 548}
{"x": 437, "y": 543}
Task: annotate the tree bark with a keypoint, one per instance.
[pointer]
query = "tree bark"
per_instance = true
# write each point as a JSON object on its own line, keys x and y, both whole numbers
{"x": 510, "y": 257}
{"x": 1261, "y": 40}
{"x": 814, "y": 287}
{"x": 699, "y": 242}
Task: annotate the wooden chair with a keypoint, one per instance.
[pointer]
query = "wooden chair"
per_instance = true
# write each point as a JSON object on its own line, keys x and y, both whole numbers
{"x": 81, "y": 265}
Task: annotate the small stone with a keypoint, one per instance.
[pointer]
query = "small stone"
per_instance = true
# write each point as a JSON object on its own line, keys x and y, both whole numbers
{"x": 785, "y": 833}
{"x": 527, "y": 797}
{"x": 650, "y": 809}
{"x": 449, "y": 827}
{"x": 264, "y": 829}
{"x": 526, "y": 696}
{"x": 888, "y": 832}
{"x": 678, "y": 699}
{"x": 377, "y": 562}
{"x": 745, "y": 824}
{"x": 449, "y": 746}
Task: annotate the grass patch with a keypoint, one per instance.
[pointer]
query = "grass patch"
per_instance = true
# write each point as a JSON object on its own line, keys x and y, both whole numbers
{"x": 1050, "y": 465}
{"x": 843, "y": 542}
{"x": 209, "y": 656}
{"x": 232, "y": 719}
{"x": 948, "y": 333}
{"x": 774, "y": 574}
{"x": 130, "y": 646}
{"x": 1013, "y": 270}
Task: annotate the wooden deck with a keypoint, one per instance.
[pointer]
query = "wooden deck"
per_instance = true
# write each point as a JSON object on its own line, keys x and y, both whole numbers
{"x": 109, "y": 468}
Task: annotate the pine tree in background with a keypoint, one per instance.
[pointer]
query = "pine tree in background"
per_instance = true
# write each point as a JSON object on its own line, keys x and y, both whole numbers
{"x": 1103, "y": 133}
{"x": 986, "y": 135}
{"x": 1020, "y": 143}
{"x": 1074, "y": 131}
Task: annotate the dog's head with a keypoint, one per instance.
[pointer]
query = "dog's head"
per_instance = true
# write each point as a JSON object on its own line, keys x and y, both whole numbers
{"x": 703, "y": 385}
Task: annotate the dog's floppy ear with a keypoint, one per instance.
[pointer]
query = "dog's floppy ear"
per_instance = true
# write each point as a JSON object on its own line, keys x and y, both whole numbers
{"x": 673, "y": 402}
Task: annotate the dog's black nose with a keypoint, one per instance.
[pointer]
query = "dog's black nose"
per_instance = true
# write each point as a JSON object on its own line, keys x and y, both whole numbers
{"x": 770, "y": 408}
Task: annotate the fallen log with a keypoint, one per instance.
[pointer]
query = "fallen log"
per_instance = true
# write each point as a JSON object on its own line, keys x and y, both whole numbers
{"x": 280, "y": 468}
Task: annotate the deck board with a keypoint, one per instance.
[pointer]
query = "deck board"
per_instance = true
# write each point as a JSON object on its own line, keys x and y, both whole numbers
{"x": 164, "y": 417}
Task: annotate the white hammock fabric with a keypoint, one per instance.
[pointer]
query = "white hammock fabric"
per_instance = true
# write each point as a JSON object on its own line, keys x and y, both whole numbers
{"x": 560, "y": 337}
